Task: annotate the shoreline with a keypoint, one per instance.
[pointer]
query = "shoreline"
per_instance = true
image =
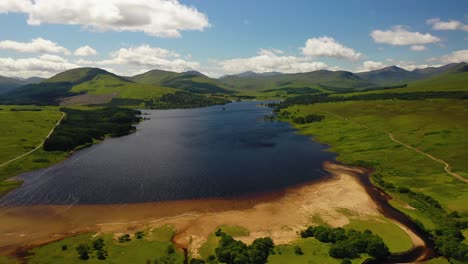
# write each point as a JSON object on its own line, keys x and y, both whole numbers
{"x": 278, "y": 215}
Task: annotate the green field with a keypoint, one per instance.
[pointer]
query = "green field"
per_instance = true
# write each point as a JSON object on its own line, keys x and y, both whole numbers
{"x": 208, "y": 248}
{"x": 21, "y": 132}
{"x": 151, "y": 247}
{"x": 395, "y": 238}
{"x": 314, "y": 252}
{"x": 452, "y": 81}
{"x": 435, "y": 126}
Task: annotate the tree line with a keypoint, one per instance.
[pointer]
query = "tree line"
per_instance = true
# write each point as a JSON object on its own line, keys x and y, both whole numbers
{"x": 81, "y": 127}
{"x": 325, "y": 98}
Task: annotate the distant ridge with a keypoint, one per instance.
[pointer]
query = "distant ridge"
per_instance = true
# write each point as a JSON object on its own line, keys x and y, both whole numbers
{"x": 396, "y": 75}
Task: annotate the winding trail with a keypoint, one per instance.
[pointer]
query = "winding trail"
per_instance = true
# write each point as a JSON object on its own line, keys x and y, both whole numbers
{"x": 38, "y": 146}
{"x": 447, "y": 166}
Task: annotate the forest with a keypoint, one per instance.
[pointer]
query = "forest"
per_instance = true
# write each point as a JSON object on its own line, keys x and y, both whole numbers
{"x": 81, "y": 127}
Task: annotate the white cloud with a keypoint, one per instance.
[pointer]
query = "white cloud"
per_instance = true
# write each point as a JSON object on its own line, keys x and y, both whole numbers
{"x": 371, "y": 65}
{"x": 162, "y": 18}
{"x": 85, "y": 51}
{"x": 269, "y": 60}
{"x": 418, "y": 48}
{"x": 399, "y": 36}
{"x": 328, "y": 47}
{"x": 437, "y": 24}
{"x": 147, "y": 56}
{"x": 42, "y": 66}
{"x": 454, "y": 57}
{"x": 38, "y": 45}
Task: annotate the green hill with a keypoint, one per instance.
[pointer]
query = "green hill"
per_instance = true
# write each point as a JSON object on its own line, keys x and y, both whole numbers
{"x": 395, "y": 75}
{"x": 190, "y": 81}
{"x": 8, "y": 84}
{"x": 323, "y": 80}
{"x": 82, "y": 86}
{"x": 454, "y": 79}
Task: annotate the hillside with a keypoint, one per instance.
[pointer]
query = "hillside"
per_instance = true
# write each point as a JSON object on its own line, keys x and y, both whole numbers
{"x": 395, "y": 75}
{"x": 190, "y": 81}
{"x": 82, "y": 86}
{"x": 323, "y": 80}
{"x": 8, "y": 84}
{"x": 455, "y": 79}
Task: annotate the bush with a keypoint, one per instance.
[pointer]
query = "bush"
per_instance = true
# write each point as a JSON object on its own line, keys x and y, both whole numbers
{"x": 124, "y": 238}
{"x": 83, "y": 251}
{"x": 349, "y": 244}
{"x": 139, "y": 234}
{"x": 298, "y": 250}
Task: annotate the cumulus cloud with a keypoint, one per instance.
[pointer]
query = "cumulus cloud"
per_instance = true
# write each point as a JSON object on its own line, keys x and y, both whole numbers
{"x": 371, "y": 65}
{"x": 147, "y": 56}
{"x": 38, "y": 45}
{"x": 454, "y": 57}
{"x": 329, "y": 47}
{"x": 85, "y": 51}
{"x": 268, "y": 60}
{"x": 42, "y": 66}
{"x": 399, "y": 36}
{"x": 418, "y": 48}
{"x": 162, "y": 18}
{"x": 437, "y": 24}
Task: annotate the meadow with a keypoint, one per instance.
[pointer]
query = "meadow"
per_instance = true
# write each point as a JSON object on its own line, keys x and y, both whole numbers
{"x": 21, "y": 132}
{"x": 358, "y": 132}
{"x": 149, "y": 245}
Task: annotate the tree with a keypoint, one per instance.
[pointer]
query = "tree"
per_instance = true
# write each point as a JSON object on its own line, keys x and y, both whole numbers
{"x": 98, "y": 244}
{"x": 298, "y": 250}
{"x": 83, "y": 251}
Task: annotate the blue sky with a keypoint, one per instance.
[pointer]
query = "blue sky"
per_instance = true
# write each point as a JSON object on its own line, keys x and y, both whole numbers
{"x": 224, "y": 37}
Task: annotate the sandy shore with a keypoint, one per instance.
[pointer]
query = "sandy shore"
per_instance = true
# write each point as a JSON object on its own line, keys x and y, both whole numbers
{"x": 277, "y": 215}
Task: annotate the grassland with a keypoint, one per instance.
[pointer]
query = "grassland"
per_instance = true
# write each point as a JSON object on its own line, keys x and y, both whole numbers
{"x": 151, "y": 247}
{"x": 208, "y": 248}
{"x": 107, "y": 84}
{"x": 434, "y": 126}
{"x": 395, "y": 238}
{"x": 21, "y": 132}
{"x": 395, "y": 138}
{"x": 451, "y": 81}
{"x": 314, "y": 252}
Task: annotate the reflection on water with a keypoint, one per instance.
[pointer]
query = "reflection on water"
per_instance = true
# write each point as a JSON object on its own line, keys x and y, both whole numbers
{"x": 181, "y": 154}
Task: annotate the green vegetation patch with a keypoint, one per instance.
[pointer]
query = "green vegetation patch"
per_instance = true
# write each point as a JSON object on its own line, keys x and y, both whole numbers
{"x": 357, "y": 130}
{"x": 394, "y": 237}
{"x": 132, "y": 251}
{"x": 314, "y": 252}
{"x": 81, "y": 127}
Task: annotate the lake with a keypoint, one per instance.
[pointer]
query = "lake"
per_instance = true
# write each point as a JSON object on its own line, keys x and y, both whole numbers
{"x": 218, "y": 151}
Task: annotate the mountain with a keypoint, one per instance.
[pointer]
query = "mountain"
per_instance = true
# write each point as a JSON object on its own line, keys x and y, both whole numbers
{"x": 190, "y": 81}
{"x": 396, "y": 75}
{"x": 251, "y": 74}
{"x": 323, "y": 80}
{"x": 389, "y": 75}
{"x": 83, "y": 86}
{"x": 8, "y": 84}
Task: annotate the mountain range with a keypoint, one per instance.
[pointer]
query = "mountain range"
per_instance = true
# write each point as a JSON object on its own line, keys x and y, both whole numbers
{"x": 85, "y": 85}
{"x": 7, "y": 83}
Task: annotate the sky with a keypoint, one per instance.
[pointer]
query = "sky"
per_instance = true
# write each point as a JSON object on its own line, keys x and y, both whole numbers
{"x": 219, "y": 37}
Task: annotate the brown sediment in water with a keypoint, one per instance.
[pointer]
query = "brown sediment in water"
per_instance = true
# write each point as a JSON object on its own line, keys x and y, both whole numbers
{"x": 278, "y": 215}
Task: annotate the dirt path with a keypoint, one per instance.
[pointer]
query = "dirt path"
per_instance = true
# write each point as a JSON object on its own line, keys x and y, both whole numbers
{"x": 447, "y": 166}
{"x": 38, "y": 146}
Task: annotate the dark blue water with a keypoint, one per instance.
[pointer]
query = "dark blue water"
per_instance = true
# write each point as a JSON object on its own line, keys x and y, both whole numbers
{"x": 181, "y": 154}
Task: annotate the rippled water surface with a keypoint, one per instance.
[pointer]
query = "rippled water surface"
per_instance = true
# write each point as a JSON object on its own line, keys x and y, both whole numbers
{"x": 181, "y": 154}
